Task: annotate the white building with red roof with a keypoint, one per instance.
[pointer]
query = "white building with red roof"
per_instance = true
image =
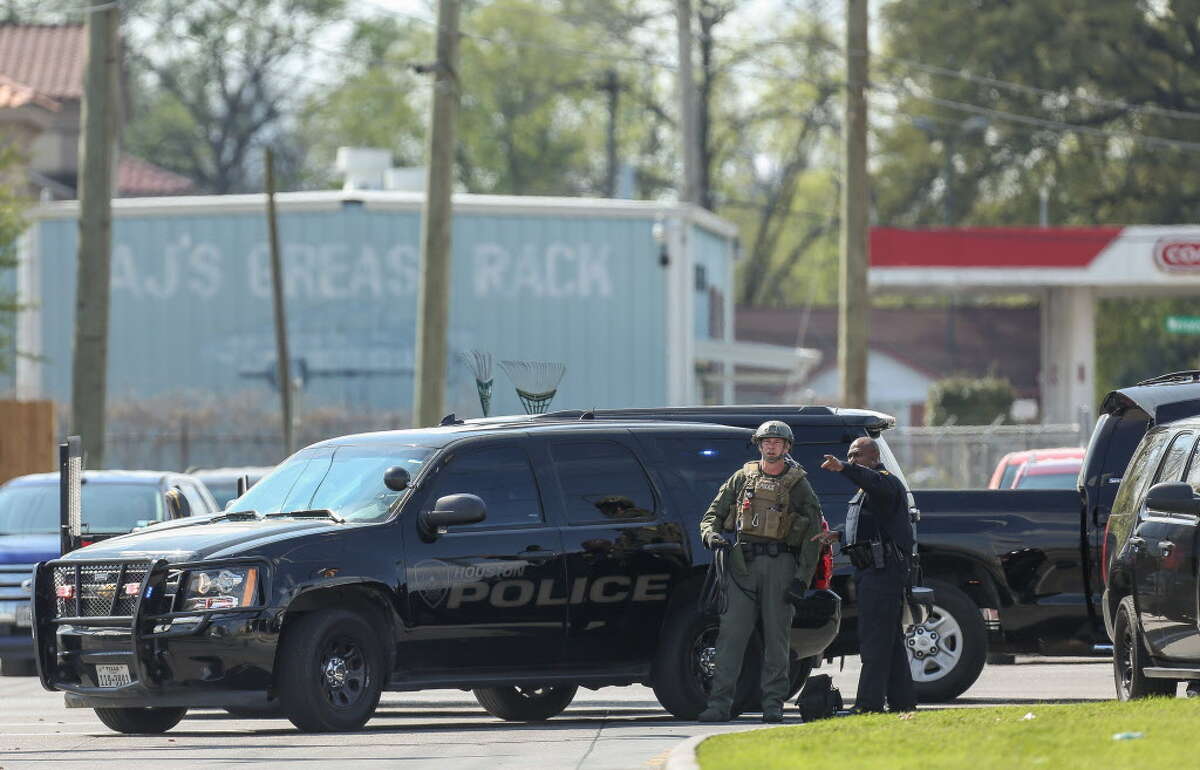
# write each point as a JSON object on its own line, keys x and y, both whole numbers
{"x": 41, "y": 91}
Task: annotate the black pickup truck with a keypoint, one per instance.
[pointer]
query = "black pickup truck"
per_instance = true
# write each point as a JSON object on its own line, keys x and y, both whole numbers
{"x": 1010, "y": 569}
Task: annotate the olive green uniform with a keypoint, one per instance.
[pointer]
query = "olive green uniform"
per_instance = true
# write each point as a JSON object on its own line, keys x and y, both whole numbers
{"x": 758, "y": 584}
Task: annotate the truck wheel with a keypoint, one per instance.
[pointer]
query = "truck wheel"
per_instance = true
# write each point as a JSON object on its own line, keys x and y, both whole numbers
{"x": 686, "y": 660}
{"x": 525, "y": 704}
{"x": 140, "y": 720}
{"x": 947, "y": 651}
{"x": 330, "y": 671}
{"x": 1129, "y": 658}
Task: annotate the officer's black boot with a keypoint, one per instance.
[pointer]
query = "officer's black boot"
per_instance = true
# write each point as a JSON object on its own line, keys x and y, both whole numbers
{"x": 711, "y": 714}
{"x": 772, "y": 715}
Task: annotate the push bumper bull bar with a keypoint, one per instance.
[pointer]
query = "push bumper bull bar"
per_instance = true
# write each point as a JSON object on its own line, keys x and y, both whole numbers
{"x": 175, "y": 658}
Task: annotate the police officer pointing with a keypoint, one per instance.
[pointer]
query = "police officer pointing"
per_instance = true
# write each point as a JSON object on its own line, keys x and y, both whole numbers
{"x": 878, "y": 538}
{"x": 766, "y": 514}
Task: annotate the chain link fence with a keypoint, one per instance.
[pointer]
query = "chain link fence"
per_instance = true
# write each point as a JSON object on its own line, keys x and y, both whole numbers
{"x": 964, "y": 456}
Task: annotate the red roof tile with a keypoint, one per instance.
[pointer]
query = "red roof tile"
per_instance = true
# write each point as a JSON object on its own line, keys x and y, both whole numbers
{"x": 137, "y": 177}
{"x": 47, "y": 58}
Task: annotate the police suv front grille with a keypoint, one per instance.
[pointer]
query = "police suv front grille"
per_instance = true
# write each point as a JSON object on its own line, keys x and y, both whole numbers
{"x": 97, "y": 590}
{"x": 11, "y": 578}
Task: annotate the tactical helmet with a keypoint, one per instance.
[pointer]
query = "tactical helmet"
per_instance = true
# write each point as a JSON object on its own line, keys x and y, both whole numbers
{"x": 774, "y": 429}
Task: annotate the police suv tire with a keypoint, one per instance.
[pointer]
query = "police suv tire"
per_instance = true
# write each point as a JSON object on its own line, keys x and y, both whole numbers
{"x": 140, "y": 720}
{"x": 525, "y": 704}
{"x": 1129, "y": 658}
{"x": 678, "y": 684}
{"x": 318, "y": 647}
{"x": 971, "y": 641}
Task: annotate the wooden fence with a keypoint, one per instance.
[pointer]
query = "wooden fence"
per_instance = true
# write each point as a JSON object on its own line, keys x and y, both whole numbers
{"x": 27, "y": 438}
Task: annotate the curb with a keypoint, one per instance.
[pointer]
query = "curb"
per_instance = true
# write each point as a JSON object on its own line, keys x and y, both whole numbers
{"x": 683, "y": 756}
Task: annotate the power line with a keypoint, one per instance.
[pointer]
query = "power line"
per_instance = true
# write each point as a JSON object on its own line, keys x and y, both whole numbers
{"x": 1095, "y": 101}
{"x": 1057, "y": 125}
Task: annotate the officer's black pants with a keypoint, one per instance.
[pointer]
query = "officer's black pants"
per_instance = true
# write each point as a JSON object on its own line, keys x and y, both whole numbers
{"x": 885, "y": 673}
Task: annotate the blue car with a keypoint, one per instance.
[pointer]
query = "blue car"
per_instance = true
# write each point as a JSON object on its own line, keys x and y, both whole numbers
{"x": 113, "y": 502}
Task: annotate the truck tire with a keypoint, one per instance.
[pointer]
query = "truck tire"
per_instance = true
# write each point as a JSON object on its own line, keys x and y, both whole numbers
{"x": 140, "y": 720}
{"x": 525, "y": 704}
{"x": 684, "y": 663}
{"x": 947, "y": 651}
{"x": 1129, "y": 658}
{"x": 330, "y": 671}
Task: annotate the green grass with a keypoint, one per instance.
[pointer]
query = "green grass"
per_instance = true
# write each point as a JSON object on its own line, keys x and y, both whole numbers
{"x": 1059, "y": 736}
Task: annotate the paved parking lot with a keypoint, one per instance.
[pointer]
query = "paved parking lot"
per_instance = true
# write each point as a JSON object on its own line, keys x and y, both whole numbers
{"x": 613, "y": 728}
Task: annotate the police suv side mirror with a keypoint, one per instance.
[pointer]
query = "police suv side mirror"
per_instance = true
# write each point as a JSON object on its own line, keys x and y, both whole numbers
{"x": 396, "y": 478}
{"x": 1173, "y": 497}
{"x": 452, "y": 510}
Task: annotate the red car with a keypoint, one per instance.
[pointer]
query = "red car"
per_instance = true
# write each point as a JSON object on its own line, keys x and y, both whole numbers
{"x": 1006, "y": 470}
{"x": 1048, "y": 474}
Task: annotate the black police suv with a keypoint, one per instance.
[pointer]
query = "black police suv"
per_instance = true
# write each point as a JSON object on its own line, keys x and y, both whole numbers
{"x": 520, "y": 558}
{"x": 1149, "y": 548}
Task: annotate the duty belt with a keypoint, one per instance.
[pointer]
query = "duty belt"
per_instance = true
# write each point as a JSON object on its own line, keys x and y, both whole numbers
{"x": 767, "y": 549}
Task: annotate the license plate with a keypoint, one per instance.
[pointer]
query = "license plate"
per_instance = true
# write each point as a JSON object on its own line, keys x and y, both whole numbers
{"x": 24, "y": 616}
{"x": 112, "y": 676}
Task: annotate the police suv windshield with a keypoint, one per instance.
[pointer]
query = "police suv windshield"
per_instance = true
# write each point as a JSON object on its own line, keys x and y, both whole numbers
{"x": 32, "y": 509}
{"x": 347, "y": 480}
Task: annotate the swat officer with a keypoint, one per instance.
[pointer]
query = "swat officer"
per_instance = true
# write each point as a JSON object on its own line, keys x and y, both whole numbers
{"x": 765, "y": 514}
{"x": 878, "y": 538}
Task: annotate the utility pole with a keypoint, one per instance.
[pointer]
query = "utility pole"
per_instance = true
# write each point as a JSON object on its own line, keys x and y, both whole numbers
{"x": 283, "y": 361}
{"x": 433, "y": 299}
{"x": 89, "y": 365}
{"x": 688, "y": 119}
{"x": 612, "y": 84}
{"x": 853, "y": 302}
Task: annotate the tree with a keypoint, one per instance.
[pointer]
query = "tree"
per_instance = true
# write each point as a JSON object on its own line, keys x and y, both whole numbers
{"x": 1116, "y": 85}
{"x": 219, "y": 79}
{"x": 531, "y": 117}
{"x": 1124, "y": 69}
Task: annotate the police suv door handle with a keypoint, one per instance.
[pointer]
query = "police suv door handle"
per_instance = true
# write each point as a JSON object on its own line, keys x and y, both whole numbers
{"x": 1137, "y": 542}
{"x": 1165, "y": 547}
{"x": 535, "y": 553}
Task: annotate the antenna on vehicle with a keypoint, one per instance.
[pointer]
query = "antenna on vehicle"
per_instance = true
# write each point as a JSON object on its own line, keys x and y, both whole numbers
{"x": 589, "y": 414}
{"x": 450, "y": 419}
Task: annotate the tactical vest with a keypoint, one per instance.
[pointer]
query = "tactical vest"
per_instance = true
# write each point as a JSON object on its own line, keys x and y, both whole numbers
{"x": 762, "y": 510}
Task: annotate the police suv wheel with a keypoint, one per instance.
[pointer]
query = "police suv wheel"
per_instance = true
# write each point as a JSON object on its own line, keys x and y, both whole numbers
{"x": 140, "y": 720}
{"x": 330, "y": 671}
{"x": 947, "y": 651}
{"x": 1129, "y": 658}
{"x": 525, "y": 704}
{"x": 686, "y": 660}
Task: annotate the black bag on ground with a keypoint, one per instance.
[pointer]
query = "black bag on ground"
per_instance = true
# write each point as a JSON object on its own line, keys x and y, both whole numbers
{"x": 819, "y": 698}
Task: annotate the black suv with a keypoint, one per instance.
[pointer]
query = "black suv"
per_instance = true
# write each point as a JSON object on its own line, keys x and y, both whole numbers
{"x": 520, "y": 559}
{"x": 1149, "y": 549}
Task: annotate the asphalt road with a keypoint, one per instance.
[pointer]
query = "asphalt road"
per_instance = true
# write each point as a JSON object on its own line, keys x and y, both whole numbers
{"x": 620, "y": 727}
